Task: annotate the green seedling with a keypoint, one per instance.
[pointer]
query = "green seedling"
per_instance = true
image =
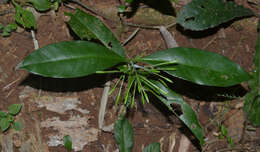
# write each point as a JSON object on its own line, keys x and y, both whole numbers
{"x": 124, "y": 135}
{"x": 8, "y": 118}
{"x": 8, "y": 29}
{"x": 224, "y": 134}
{"x": 24, "y": 16}
{"x": 67, "y": 143}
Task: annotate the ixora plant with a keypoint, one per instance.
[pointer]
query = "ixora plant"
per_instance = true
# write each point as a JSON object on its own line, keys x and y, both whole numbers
{"x": 148, "y": 74}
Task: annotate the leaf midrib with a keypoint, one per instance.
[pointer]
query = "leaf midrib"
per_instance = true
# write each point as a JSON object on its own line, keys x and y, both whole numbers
{"x": 75, "y": 58}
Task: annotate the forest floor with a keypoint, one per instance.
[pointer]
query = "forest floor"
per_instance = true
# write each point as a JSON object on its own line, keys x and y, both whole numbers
{"x": 46, "y": 118}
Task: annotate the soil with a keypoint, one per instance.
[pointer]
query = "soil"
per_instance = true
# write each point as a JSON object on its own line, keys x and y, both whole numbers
{"x": 151, "y": 122}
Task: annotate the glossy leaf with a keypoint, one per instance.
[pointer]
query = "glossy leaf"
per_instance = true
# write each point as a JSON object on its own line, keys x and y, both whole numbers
{"x": 4, "y": 124}
{"x": 67, "y": 143}
{"x": 41, "y": 5}
{"x": 14, "y": 109}
{"x": 124, "y": 135}
{"x": 153, "y": 147}
{"x": 88, "y": 26}
{"x": 70, "y": 59}
{"x": 203, "y": 14}
{"x": 200, "y": 67}
{"x": 188, "y": 117}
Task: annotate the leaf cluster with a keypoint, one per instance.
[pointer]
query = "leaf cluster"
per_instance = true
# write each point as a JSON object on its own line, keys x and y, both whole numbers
{"x": 224, "y": 134}
{"x": 7, "y": 118}
{"x": 6, "y": 30}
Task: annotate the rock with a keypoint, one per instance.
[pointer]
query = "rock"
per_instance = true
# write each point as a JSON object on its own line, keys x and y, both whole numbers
{"x": 76, "y": 127}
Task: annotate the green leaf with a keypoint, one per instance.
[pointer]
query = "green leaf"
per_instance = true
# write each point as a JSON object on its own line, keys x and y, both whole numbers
{"x": 121, "y": 8}
{"x": 1, "y": 26}
{"x": 252, "y": 107}
{"x": 41, "y": 5}
{"x": 18, "y": 126}
{"x": 4, "y": 124}
{"x": 188, "y": 117}
{"x": 224, "y": 130}
{"x": 203, "y": 14}
{"x": 14, "y": 109}
{"x": 124, "y": 135}
{"x": 153, "y": 147}
{"x": 5, "y": 34}
{"x": 8, "y": 29}
{"x": 200, "y": 67}
{"x": 3, "y": 114}
{"x": 67, "y": 143}
{"x": 24, "y": 17}
{"x": 88, "y": 26}
{"x": 10, "y": 118}
{"x": 70, "y": 59}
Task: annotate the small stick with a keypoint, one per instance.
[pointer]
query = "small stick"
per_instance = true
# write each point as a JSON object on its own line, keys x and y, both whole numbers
{"x": 103, "y": 104}
{"x": 10, "y": 84}
{"x": 168, "y": 38}
{"x": 131, "y": 37}
{"x": 211, "y": 41}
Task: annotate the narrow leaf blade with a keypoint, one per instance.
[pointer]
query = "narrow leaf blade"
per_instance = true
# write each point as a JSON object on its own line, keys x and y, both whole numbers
{"x": 153, "y": 147}
{"x": 200, "y": 67}
{"x": 88, "y": 26}
{"x": 124, "y": 135}
{"x": 188, "y": 117}
{"x": 70, "y": 59}
{"x": 203, "y": 14}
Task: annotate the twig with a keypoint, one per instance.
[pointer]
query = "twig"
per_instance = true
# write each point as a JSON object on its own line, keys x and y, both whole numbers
{"x": 211, "y": 41}
{"x": 10, "y": 84}
{"x": 131, "y": 37}
{"x": 103, "y": 104}
{"x": 35, "y": 42}
{"x": 168, "y": 38}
